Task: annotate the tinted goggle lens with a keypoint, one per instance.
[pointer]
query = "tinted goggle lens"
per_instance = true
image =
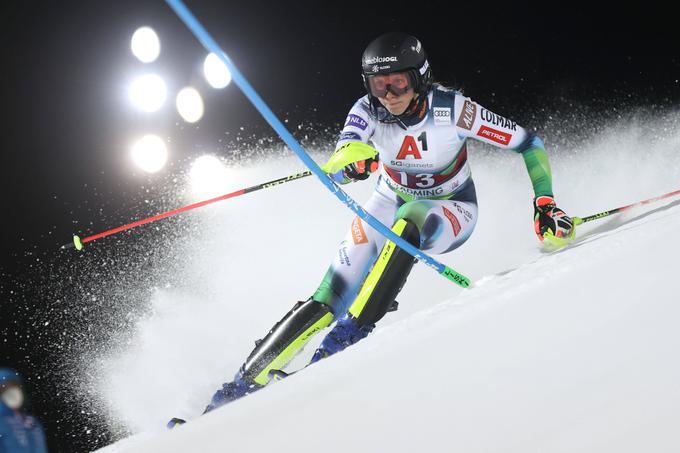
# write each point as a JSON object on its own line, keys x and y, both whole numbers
{"x": 397, "y": 84}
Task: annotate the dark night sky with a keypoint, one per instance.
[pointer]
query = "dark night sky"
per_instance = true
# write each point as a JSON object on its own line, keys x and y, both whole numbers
{"x": 67, "y": 126}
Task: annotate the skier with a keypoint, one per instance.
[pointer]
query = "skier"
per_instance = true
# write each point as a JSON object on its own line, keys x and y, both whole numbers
{"x": 19, "y": 432}
{"x": 425, "y": 192}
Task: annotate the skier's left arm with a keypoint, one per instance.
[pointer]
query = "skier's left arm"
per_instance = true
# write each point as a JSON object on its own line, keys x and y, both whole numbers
{"x": 354, "y": 159}
{"x": 475, "y": 121}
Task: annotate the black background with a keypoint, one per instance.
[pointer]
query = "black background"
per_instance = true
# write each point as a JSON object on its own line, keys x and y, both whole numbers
{"x": 67, "y": 126}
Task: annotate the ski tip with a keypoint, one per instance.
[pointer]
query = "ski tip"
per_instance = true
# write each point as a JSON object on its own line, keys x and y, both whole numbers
{"x": 174, "y": 422}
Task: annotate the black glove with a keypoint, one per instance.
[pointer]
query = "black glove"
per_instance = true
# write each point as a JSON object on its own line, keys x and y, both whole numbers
{"x": 549, "y": 218}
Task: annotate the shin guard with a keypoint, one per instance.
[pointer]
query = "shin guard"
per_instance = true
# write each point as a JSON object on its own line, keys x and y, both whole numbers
{"x": 286, "y": 339}
{"x": 386, "y": 278}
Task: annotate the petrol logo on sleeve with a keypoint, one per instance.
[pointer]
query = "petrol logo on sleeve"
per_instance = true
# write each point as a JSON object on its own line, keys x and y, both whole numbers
{"x": 356, "y": 121}
{"x": 358, "y": 233}
{"x": 454, "y": 221}
{"x": 467, "y": 115}
{"x": 494, "y": 135}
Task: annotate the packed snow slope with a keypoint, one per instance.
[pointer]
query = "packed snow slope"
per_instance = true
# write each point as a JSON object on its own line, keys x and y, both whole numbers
{"x": 574, "y": 350}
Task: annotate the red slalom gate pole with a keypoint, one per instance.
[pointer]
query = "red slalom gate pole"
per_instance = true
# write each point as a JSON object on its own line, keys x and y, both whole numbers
{"x": 78, "y": 242}
{"x": 580, "y": 220}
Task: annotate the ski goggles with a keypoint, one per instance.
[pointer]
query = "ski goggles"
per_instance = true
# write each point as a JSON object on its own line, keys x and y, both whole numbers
{"x": 397, "y": 83}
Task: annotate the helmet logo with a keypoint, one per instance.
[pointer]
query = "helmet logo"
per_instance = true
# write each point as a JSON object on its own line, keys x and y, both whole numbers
{"x": 375, "y": 68}
{"x": 417, "y": 47}
{"x": 380, "y": 60}
{"x": 424, "y": 67}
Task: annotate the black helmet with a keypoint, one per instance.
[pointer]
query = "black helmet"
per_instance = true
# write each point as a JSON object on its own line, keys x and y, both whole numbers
{"x": 397, "y": 52}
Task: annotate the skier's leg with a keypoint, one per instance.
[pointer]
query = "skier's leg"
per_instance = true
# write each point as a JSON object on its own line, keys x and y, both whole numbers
{"x": 379, "y": 289}
{"x": 356, "y": 254}
{"x": 275, "y": 350}
{"x": 444, "y": 225}
{"x": 298, "y": 326}
{"x": 437, "y": 226}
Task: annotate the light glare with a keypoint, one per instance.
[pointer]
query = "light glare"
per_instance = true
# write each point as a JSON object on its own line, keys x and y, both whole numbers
{"x": 216, "y": 72}
{"x": 145, "y": 44}
{"x": 189, "y": 104}
{"x": 150, "y": 153}
{"x": 148, "y": 92}
{"x": 208, "y": 177}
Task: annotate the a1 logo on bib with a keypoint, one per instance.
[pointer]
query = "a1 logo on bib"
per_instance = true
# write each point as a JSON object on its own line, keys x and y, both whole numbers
{"x": 442, "y": 116}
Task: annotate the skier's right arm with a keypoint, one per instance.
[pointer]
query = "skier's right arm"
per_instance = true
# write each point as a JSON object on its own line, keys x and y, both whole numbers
{"x": 353, "y": 158}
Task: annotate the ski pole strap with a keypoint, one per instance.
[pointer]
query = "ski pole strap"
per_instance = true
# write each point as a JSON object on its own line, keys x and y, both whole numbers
{"x": 211, "y": 45}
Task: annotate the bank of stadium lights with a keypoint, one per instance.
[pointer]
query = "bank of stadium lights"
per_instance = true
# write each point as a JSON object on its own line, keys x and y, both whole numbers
{"x": 148, "y": 93}
{"x": 216, "y": 72}
{"x": 150, "y": 153}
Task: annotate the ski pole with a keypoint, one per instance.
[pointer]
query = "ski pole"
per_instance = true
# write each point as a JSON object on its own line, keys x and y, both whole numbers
{"x": 239, "y": 79}
{"x": 78, "y": 242}
{"x": 601, "y": 215}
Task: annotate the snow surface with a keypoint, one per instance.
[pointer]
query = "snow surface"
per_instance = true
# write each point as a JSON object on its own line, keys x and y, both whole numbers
{"x": 550, "y": 352}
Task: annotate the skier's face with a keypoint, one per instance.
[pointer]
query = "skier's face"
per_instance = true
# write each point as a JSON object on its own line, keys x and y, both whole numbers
{"x": 397, "y": 105}
{"x": 394, "y": 91}
{"x": 12, "y": 396}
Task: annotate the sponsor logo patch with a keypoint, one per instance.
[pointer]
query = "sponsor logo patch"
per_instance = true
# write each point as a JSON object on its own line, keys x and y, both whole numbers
{"x": 375, "y": 60}
{"x": 356, "y": 121}
{"x": 350, "y": 136}
{"x": 424, "y": 67}
{"x": 467, "y": 115}
{"x": 436, "y": 192}
{"x": 409, "y": 147}
{"x": 344, "y": 258}
{"x": 442, "y": 116}
{"x": 494, "y": 135}
{"x": 358, "y": 233}
{"x": 497, "y": 120}
{"x": 454, "y": 221}
{"x": 397, "y": 163}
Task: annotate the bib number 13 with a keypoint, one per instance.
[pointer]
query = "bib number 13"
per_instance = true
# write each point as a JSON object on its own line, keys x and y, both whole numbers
{"x": 421, "y": 180}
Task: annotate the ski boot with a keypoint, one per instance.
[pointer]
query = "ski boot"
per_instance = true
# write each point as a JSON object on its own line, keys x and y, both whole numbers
{"x": 232, "y": 391}
{"x": 345, "y": 333}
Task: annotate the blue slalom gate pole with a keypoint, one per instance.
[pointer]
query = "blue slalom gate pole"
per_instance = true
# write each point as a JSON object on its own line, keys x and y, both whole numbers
{"x": 209, "y": 43}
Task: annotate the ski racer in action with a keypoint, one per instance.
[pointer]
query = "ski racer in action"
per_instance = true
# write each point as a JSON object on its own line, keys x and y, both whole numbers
{"x": 425, "y": 192}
